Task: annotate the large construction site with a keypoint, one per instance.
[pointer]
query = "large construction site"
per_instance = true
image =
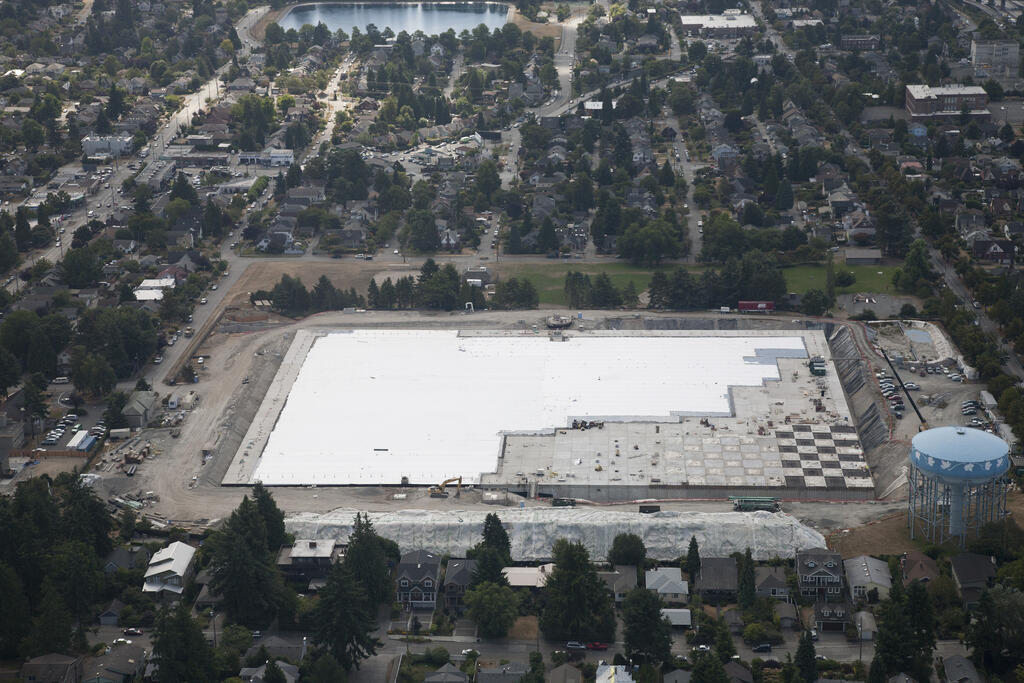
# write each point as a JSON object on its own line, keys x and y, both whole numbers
{"x": 374, "y": 410}
{"x": 600, "y": 414}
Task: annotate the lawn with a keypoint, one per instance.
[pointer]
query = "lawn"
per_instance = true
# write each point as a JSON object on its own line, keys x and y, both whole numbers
{"x": 549, "y": 278}
{"x": 870, "y": 279}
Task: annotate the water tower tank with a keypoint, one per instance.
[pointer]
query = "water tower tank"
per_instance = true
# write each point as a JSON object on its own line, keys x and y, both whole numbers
{"x": 955, "y": 476}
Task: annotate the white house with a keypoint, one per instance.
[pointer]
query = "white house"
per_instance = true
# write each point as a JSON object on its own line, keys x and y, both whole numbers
{"x": 864, "y": 574}
{"x": 169, "y": 568}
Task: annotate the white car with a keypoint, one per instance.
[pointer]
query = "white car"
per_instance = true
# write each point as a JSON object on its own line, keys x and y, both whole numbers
{"x": 203, "y": 300}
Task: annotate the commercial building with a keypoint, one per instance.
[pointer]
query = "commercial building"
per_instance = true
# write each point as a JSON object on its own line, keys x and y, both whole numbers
{"x": 860, "y": 42}
{"x": 730, "y": 24}
{"x": 925, "y": 101}
{"x": 995, "y": 57}
{"x": 268, "y": 157}
{"x": 107, "y": 145}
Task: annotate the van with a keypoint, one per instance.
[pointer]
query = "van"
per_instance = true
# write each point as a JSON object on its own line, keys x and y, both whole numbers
{"x": 61, "y": 380}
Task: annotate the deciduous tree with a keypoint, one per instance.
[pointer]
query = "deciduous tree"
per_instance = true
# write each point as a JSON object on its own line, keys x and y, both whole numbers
{"x": 647, "y": 633}
{"x": 494, "y": 607}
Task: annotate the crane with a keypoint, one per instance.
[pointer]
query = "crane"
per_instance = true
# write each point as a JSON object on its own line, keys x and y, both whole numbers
{"x": 440, "y": 491}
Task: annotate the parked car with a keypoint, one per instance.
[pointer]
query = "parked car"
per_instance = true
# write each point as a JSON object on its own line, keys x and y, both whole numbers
{"x": 133, "y": 631}
{"x": 597, "y": 646}
{"x": 762, "y": 647}
{"x": 575, "y": 645}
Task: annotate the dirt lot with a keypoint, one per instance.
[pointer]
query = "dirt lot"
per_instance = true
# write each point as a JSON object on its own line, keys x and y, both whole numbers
{"x": 525, "y": 628}
{"x": 539, "y": 30}
{"x": 343, "y": 273}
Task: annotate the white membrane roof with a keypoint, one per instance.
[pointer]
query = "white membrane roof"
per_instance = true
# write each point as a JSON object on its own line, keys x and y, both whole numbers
{"x": 373, "y": 406}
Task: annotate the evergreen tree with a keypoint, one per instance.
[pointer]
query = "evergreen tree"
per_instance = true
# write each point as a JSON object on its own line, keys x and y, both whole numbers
{"x": 708, "y": 669}
{"x": 577, "y": 604}
{"x": 489, "y": 565}
{"x": 16, "y": 618}
{"x": 647, "y": 633}
{"x": 692, "y": 559}
{"x": 784, "y": 196}
{"x": 805, "y": 662}
{"x": 179, "y": 644}
{"x": 627, "y": 549}
{"x": 666, "y": 177}
{"x": 51, "y": 627}
{"x": 273, "y": 518}
{"x": 747, "y": 582}
{"x": 244, "y": 572}
{"x": 366, "y": 560}
{"x": 547, "y": 240}
{"x": 345, "y": 618}
{"x": 372, "y": 294}
{"x": 22, "y": 230}
{"x": 273, "y": 673}
{"x": 496, "y": 537}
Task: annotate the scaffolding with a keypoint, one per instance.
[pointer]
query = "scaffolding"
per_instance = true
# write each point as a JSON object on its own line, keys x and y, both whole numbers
{"x": 940, "y": 511}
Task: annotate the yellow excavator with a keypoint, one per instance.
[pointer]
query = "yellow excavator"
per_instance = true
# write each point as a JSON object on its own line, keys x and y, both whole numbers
{"x": 441, "y": 490}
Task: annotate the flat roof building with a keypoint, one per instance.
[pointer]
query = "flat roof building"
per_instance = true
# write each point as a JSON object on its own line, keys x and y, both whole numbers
{"x": 995, "y": 57}
{"x": 925, "y": 101}
{"x": 728, "y": 25}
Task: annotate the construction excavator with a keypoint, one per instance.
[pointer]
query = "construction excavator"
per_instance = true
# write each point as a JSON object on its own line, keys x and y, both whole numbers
{"x": 441, "y": 490}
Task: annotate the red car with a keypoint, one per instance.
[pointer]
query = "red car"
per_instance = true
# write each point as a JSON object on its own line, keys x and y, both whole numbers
{"x": 597, "y": 646}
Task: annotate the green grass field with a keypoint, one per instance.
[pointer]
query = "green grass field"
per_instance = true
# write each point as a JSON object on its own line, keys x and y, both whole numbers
{"x": 872, "y": 279}
{"x": 549, "y": 277}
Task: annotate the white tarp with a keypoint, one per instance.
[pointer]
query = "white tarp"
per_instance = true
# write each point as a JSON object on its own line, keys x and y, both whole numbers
{"x": 370, "y": 407}
{"x": 533, "y": 531}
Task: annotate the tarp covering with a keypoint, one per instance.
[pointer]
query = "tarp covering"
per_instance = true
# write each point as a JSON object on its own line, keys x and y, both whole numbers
{"x": 533, "y": 531}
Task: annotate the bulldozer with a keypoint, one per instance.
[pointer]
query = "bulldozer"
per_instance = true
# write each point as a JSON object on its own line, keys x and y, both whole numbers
{"x": 441, "y": 490}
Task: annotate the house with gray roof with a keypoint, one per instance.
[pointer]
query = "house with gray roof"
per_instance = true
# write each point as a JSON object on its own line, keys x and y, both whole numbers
{"x": 141, "y": 408}
{"x": 865, "y": 574}
{"x": 566, "y": 673}
{"x": 959, "y": 669}
{"x": 457, "y": 577}
{"x": 620, "y": 581}
{"x": 417, "y": 576}
{"x": 718, "y": 579}
{"x": 52, "y": 668}
{"x": 668, "y": 583}
{"x": 770, "y": 582}
{"x": 512, "y": 672}
{"x": 446, "y": 674}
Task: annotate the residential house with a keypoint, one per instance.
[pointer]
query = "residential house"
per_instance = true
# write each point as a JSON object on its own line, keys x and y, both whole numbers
{"x": 969, "y": 220}
{"x": 608, "y": 673}
{"x": 668, "y": 583}
{"x": 959, "y": 669}
{"x": 620, "y": 581}
{"x": 770, "y": 582}
{"x": 121, "y": 557}
{"x": 917, "y": 566}
{"x": 841, "y": 200}
{"x": 819, "y": 573}
{"x": 724, "y": 155}
{"x": 141, "y": 408}
{"x": 417, "y": 578}
{"x": 973, "y": 573}
{"x": 111, "y": 616}
{"x": 169, "y": 569}
{"x": 446, "y": 674}
{"x": 52, "y": 668}
{"x": 506, "y": 673}
{"x": 996, "y": 251}
{"x": 718, "y": 579}
{"x": 457, "y": 577}
{"x": 309, "y": 559}
{"x": 566, "y": 673}
{"x": 865, "y": 574}
{"x": 831, "y": 616}
{"x": 786, "y": 614}
{"x": 279, "y": 647}
{"x": 257, "y": 674}
{"x": 677, "y": 676}
{"x": 738, "y": 673}
{"x": 123, "y": 663}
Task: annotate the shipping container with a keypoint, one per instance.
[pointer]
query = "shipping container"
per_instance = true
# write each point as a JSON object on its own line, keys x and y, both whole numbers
{"x": 123, "y": 433}
{"x": 756, "y": 306}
